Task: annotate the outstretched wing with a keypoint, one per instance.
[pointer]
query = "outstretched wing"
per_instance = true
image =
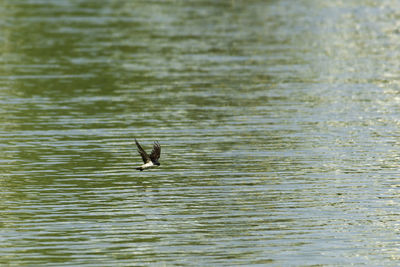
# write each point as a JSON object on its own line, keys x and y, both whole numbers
{"x": 155, "y": 153}
{"x": 142, "y": 153}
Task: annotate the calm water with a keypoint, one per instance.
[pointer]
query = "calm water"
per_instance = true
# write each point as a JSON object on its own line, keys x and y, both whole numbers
{"x": 279, "y": 123}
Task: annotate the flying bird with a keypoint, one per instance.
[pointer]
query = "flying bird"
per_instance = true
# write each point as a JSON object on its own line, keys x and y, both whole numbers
{"x": 149, "y": 161}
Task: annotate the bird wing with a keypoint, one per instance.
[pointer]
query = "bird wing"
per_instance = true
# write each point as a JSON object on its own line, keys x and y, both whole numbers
{"x": 142, "y": 153}
{"x": 155, "y": 153}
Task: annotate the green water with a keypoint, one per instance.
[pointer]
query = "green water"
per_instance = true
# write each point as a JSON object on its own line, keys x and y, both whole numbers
{"x": 278, "y": 121}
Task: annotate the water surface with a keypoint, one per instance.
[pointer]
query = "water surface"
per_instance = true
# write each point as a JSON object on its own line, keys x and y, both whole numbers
{"x": 278, "y": 121}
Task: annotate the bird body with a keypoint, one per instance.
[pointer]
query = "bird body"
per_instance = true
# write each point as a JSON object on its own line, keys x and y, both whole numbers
{"x": 146, "y": 166}
{"x": 151, "y": 160}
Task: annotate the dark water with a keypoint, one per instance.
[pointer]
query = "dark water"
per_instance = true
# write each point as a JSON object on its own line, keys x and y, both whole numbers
{"x": 278, "y": 120}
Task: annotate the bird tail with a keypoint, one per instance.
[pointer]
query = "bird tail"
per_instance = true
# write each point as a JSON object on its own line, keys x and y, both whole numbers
{"x": 139, "y": 168}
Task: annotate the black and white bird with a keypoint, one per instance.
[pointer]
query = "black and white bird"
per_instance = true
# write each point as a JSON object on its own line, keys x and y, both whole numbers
{"x": 149, "y": 161}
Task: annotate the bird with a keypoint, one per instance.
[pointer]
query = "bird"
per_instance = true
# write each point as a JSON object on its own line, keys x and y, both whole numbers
{"x": 149, "y": 161}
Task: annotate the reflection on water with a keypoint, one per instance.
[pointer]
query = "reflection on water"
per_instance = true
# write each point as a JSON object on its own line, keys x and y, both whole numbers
{"x": 278, "y": 123}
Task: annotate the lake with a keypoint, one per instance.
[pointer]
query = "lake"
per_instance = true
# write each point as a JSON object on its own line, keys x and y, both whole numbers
{"x": 279, "y": 123}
